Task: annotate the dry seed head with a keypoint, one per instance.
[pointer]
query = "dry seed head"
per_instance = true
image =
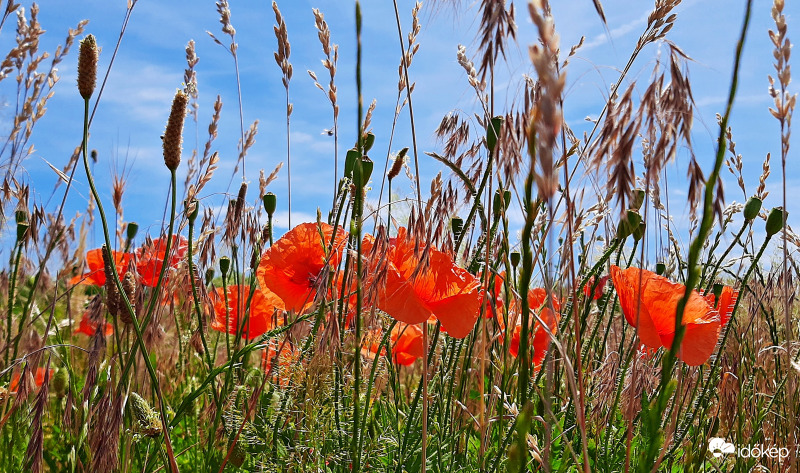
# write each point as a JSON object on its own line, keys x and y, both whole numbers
{"x": 112, "y": 295}
{"x": 129, "y": 286}
{"x": 173, "y": 136}
{"x": 87, "y": 66}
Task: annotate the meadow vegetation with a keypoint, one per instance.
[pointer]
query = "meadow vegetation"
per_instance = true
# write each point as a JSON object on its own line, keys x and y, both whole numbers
{"x": 406, "y": 333}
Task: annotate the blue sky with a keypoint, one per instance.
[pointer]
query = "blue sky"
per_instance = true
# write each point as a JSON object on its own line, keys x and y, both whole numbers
{"x": 150, "y": 65}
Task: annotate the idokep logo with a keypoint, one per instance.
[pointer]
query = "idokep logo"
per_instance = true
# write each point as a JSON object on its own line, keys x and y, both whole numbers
{"x": 719, "y": 447}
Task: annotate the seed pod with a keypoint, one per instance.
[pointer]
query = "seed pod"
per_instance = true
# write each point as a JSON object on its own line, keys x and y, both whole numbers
{"x": 224, "y": 265}
{"x": 112, "y": 295}
{"x": 173, "y": 135}
{"x": 129, "y": 286}
{"x": 270, "y": 203}
{"x": 515, "y": 258}
{"x": 133, "y": 228}
{"x": 87, "y": 67}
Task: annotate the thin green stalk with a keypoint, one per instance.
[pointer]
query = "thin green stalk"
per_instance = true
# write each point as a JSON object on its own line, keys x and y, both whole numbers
{"x": 648, "y": 457}
{"x": 11, "y": 291}
{"x": 151, "y": 371}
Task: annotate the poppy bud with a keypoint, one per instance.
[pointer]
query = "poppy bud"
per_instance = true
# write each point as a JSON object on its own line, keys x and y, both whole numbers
{"x": 457, "y": 224}
{"x": 751, "y": 208}
{"x": 270, "y": 203}
{"x": 209, "y": 276}
{"x": 775, "y": 220}
{"x": 500, "y": 202}
{"x": 515, "y": 258}
{"x": 133, "y": 228}
{"x": 350, "y": 162}
{"x": 224, "y": 265}
{"x": 192, "y": 209}
{"x": 492, "y": 131}
{"x": 637, "y": 199}
{"x": 363, "y": 172}
{"x": 661, "y": 268}
{"x": 368, "y": 141}
{"x": 629, "y": 225}
{"x": 87, "y": 66}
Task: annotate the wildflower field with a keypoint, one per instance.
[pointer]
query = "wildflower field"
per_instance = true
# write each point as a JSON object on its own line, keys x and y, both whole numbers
{"x": 544, "y": 302}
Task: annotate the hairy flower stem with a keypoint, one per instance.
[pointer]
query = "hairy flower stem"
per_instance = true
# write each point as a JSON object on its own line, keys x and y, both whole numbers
{"x": 355, "y": 453}
{"x": 173, "y": 466}
{"x": 649, "y": 453}
{"x": 11, "y": 290}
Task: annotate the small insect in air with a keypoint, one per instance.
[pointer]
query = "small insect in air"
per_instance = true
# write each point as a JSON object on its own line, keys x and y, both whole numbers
{"x": 327, "y": 132}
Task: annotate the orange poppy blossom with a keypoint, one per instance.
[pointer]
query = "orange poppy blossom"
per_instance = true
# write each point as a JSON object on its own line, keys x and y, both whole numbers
{"x": 97, "y": 274}
{"x": 655, "y": 299}
{"x": 494, "y": 296}
{"x": 260, "y": 316}
{"x": 39, "y": 378}
{"x": 89, "y": 327}
{"x": 598, "y": 291}
{"x": 443, "y": 290}
{"x": 150, "y": 258}
{"x": 540, "y": 338}
{"x": 406, "y": 343}
{"x": 291, "y": 267}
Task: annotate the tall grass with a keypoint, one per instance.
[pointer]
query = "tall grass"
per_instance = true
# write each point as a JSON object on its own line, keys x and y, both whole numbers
{"x": 444, "y": 337}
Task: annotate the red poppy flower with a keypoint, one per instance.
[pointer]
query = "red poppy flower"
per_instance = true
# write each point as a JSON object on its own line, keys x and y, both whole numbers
{"x": 150, "y": 258}
{"x": 97, "y": 274}
{"x": 290, "y": 268}
{"x": 494, "y": 296}
{"x": 412, "y": 295}
{"x": 598, "y": 291}
{"x": 540, "y": 337}
{"x": 655, "y": 300}
{"x": 89, "y": 327}
{"x": 39, "y": 378}
{"x": 406, "y": 343}
{"x": 260, "y": 318}
{"x": 727, "y": 299}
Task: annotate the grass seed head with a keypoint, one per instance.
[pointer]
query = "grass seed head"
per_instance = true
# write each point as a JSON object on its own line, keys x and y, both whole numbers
{"x": 87, "y": 66}
{"x": 173, "y": 136}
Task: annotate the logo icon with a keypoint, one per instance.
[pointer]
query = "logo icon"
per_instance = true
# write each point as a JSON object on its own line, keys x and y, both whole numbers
{"x": 719, "y": 447}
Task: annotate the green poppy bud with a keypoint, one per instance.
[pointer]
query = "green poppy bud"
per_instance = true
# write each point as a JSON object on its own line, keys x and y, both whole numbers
{"x": 515, "y": 258}
{"x": 752, "y": 208}
{"x": 492, "y": 131}
{"x": 775, "y": 220}
{"x": 133, "y": 229}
